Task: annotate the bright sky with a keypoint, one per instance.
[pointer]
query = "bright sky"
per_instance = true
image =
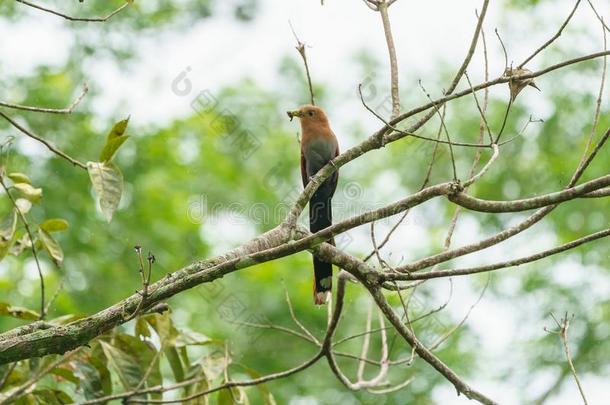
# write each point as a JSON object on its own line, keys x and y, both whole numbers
{"x": 429, "y": 36}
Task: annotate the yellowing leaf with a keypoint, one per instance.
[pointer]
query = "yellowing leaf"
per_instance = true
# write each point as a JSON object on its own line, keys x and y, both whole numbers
{"x": 51, "y": 246}
{"x": 54, "y": 225}
{"x": 19, "y": 178}
{"x": 31, "y": 193}
{"x": 23, "y": 205}
{"x": 7, "y": 232}
{"x": 107, "y": 181}
{"x": 7, "y": 228}
{"x": 116, "y": 138}
{"x": 20, "y": 244}
{"x": 18, "y": 312}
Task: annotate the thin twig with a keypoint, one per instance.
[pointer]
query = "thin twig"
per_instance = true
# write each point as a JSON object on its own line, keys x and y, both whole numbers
{"x": 563, "y": 334}
{"x": 494, "y": 156}
{"x": 71, "y": 18}
{"x": 598, "y": 102}
{"x": 481, "y": 111}
{"x": 68, "y": 110}
{"x": 16, "y": 392}
{"x": 500, "y": 265}
{"x": 32, "y": 245}
{"x": 471, "y": 49}
{"x": 442, "y": 118}
{"x": 503, "y": 49}
{"x": 393, "y": 128}
{"x": 145, "y": 279}
{"x": 552, "y": 39}
{"x": 7, "y": 374}
{"x": 54, "y": 297}
{"x": 443, "y": 338}
{"x": 301, "y": 49}
{"x": 599, "y": 17}
{"x": 426, "y": 354}
{"x": 296, "y": 320}
{"x": 387, "y": 30}
{"x": 230, "y": 384}
{"x": 43, "y": 141}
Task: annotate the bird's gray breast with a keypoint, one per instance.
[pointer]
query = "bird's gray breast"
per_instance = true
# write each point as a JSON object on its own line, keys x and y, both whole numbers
{"x": 318, "y": 153}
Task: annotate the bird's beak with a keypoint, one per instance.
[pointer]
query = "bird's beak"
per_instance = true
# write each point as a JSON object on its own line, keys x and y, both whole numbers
{"x": 534, "y": 85}
{"x": 295, "y": 113}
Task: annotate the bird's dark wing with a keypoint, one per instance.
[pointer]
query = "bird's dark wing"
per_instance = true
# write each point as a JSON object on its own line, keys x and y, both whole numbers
{"x": 334, "y": 178}
{"x": 304, "y": 176}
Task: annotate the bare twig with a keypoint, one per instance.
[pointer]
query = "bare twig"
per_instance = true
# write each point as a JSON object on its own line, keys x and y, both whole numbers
{"x": 68, "y": 110}
{"x": 501, "y": 265}
{"x": 301, "y": 49}
{"x": 230, "y": 384}
{"x": 382, "y": 7}
{"x": 552, "y": 39}
{"x": 46, "y": 143}
{"x": 598, "y": 103}
{"x": 507, "y": 233}
{"x": 32, "y": 245}
{"x": 503, "y": 49}
{"x": 442, "y": 118}
{"x": 71, "y": 18}
{"x": 599, "y": 17}
{"x": 446, "y": 336}
{"x": 296, "y": 320}
{"x": 145, "y": 279}
{"x": 563, "y": 334}
{"x": 494, "y": 156}
{"x": 424, "y": 353}
{"x": 18, "y": 391}
{"x": 406, "y": 133}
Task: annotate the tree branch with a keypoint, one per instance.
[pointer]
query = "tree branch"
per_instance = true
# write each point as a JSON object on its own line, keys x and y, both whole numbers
{"x": 71, "y": 18}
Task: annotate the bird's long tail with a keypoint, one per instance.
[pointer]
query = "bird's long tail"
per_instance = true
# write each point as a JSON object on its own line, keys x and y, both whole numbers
{"x": 320, "y": 217}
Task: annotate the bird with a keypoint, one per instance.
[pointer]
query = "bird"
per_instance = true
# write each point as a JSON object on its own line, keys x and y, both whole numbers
{"x": 319, "y": 146}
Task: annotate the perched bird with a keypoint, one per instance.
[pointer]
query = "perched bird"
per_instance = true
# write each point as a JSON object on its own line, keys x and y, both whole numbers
{"x": 318, "y": 147}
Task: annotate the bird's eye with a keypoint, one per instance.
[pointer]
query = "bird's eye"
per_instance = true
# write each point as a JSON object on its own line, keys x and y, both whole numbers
{"x": 311, "y": 113}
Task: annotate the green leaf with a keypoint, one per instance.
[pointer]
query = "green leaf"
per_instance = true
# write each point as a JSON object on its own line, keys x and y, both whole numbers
{"x": 51, "y": 246}
{"x": 163, "y": 325}
{"x": 214, "y": 364}
{"x": 115, "y": 139}
{"x": 54, "y": 225}
{"x": 52, "y": 397}
{"x": 125, "y": 365}
{"x": 268, "y": 398}
{"x": 28, "y": 191}
{"x": 144, "y": 354}
{"x": 91, "y": 375}
{"x": 19, "y": 178}
{"x": 18, "y": 312}
{"x": 191, "y": 338}
{"x": 20, "y": 244}
{"x": 174, "y": 361}
{"x": 65, "y": 374}
{"x": 100, "y": 362}
{"x": 107, "y": 181}
{"x": 225, "y": 397}
{"x": 141, "y": 329}
{"x": 197, "y": 371}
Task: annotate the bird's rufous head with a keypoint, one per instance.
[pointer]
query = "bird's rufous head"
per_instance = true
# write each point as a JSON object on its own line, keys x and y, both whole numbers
{"x": 309, "y": 114}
